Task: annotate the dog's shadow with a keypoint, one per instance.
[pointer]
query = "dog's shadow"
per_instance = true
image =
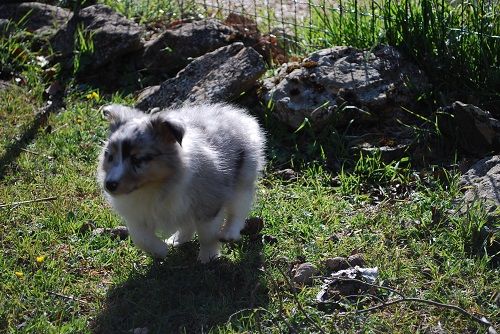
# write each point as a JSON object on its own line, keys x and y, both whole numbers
{"x": 182, "y": 295}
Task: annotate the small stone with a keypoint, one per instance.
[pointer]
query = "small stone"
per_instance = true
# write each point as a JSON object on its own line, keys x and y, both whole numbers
{"x": 54, "y": 88}
{"x": 87, "y": 226}
{"x": 303, "y": 273}
{"x": 253, "y": 226}
{"x": 269, "y": 239}
{"x": 337, "y": 263}
{"x": 333, "y": 238}
{"x": 99, "y": 231}
{"x": 120, "y": 232}
{"x": 287, "y": 174}
{"x": 356, "y": 260}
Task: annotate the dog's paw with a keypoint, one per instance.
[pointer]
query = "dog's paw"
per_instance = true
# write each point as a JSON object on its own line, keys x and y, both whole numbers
{"x": 159, "y": 253}
{"x": 207, "y": 255}
{"x": 229, "y": 235}
{"x": 178, "y": 239}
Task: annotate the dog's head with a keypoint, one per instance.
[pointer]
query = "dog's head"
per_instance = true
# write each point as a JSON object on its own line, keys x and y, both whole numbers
{"x": 142, "y": 150}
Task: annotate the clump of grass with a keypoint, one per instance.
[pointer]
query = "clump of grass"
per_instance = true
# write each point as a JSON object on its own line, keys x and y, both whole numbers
{"x": 371, "y": 172}
{"x": 456, "y": 43}
{"x": 154, "y": 10}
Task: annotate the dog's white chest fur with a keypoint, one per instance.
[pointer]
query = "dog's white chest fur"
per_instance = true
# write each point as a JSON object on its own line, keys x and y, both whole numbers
{"x": 152, "y": 209}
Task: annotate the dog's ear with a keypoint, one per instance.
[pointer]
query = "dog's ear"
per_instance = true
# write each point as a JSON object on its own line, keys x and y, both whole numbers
{"x": 118, "y": 114}
{"x": 167, "y": 129}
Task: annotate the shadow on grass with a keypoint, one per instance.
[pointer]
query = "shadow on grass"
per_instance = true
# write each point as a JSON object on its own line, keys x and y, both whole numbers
{"x": 29, "y": 134}
{"x": 181, "y": 295}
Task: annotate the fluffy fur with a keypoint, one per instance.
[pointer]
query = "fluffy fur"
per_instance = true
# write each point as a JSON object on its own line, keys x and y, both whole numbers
{"x": 181, "y": 172}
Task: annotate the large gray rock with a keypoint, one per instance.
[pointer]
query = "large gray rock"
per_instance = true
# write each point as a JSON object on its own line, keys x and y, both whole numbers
{"x": 343, "y": 84}
{"x": 482, "y": 182}
{"x": 174, "y": 49}
{"x": 218, "y": 76}
{"x": 43, "y": 20}
{"x": 112, "y": 35}
{"x": 475, "y": 130}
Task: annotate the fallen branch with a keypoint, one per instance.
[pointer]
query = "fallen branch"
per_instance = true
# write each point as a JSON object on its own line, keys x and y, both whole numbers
{"x": 14, "y": 204}
{"x": 483, "y": 321}
{"x": 36, "y": 153}
{"x": 67, "y": 297}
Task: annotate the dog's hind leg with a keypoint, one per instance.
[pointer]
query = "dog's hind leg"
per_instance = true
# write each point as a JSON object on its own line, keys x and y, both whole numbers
{"x": 236, "y": 212}
{"x": 208, "y": 235}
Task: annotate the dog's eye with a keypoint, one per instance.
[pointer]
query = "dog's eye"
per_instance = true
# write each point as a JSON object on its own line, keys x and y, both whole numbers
{"x": 136, "y": 161}
{"x": 110, "y": 156}
{"x": 139, "y": 161}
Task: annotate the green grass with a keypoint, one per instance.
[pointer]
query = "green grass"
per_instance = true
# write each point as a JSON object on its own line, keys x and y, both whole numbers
{"x": 56, "y": 276}
{"x": 118, "y": 288}
{"x": 457, "y": 43}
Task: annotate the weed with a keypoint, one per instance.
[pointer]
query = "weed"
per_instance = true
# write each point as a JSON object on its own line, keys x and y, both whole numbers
{"x": 154, "y": 10}
{"x": 84, "y": 48}
{"x": 371, "y": 171}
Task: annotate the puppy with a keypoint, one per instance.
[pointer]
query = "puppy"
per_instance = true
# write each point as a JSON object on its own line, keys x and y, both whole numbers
{"x": 180, "y": 172}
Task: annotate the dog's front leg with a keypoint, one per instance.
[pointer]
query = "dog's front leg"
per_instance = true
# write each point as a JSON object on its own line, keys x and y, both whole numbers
{"x": 146, "y": 239}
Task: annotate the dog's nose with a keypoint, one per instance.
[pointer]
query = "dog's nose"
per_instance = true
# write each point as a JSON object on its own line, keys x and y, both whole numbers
{"x": 111, "y": 185}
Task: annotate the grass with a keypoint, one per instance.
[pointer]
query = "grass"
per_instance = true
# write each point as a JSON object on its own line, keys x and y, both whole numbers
{"x": 117, "y": 288}
{"x": 457, "y": 43}
{"x": 57, "y": 276}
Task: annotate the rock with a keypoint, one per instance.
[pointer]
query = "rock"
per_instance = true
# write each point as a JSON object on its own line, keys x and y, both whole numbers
{"x": 87, "y": 226}
{"x": 387, "y": 153}
{"x": 148, "y": 91}
{"x": 356, "y": 260}
{"x": 112, "y": 36}
{"x": 218, "y": 76}
{"x": 287, "y": 174}
{"x": 303, "y": 273}
{"x": 43, "y": 20}
{"x": 55, "y": 88}
{"x": 6, "y": 27}
{"x": 253, "y": 226}
{"x": 341, "y": 284}
{"x": 343, "y": 84}
{"x": 475, "y": 130}
{"x": 120, "y": 232}
{"x": 482, "y": 182}
{"x": 175, "y": 48}
{"x": 99, "y": 231}
{"x": 269, "y": 239}
{"x": 337, "y": 263}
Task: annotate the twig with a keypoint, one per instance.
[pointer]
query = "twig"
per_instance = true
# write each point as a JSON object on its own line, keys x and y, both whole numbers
{"x": 483, "y": 321}
{"x": 239, "y": 312}
{"x": 67, "y": 297}
{"x": 14, "y": 204}
{"x": 253, "y": 310}
{"x": 299, "y": 305}
{"x": 291, "y": 328}
{"x": 36, "y": 153}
